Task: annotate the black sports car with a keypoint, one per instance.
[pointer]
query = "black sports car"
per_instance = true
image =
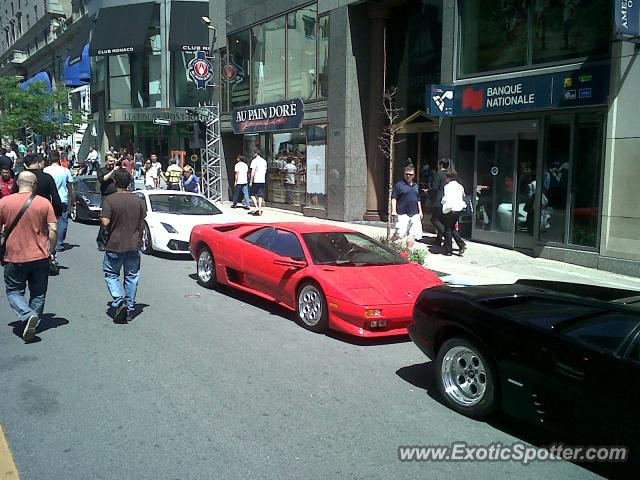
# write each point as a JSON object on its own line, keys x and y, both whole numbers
{"x": 86, "y": 202}
{"x": 562, "y": 355}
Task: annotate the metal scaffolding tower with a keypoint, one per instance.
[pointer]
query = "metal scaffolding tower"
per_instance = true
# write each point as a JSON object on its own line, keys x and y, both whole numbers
{"x": 30, "y": 139}
{"x": 211, "y": 154}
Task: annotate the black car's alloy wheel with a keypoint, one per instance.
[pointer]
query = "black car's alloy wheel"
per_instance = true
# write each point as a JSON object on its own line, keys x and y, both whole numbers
{"x": 311, "y": 311}
{"x": 206, "y": 269}
{"x": 466, "y": 377}
{"x": 73, "y": 212}
{"x": 147, "y": 246}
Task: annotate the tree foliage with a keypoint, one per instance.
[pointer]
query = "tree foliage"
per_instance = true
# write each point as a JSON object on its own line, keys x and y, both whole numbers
{"x": 47, "y": 113}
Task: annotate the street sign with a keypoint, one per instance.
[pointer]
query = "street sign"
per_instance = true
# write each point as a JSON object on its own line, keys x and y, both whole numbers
{"x": 162, "y": 121}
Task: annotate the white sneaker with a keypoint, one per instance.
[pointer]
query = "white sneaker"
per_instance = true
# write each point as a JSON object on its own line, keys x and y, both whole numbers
{"x": 30, "y": 330}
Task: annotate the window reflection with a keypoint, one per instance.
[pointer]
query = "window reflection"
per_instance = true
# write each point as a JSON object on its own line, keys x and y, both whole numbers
{"x": 301, "y": 53}
{"x": 323, "y": 57}
{"x": 235, "y": 70}
{"x": 268, "y": 61}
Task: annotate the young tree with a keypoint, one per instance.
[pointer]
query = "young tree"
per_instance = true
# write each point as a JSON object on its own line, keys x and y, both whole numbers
{"x": 47, "y": 113}
{"x": 388, "y": 141}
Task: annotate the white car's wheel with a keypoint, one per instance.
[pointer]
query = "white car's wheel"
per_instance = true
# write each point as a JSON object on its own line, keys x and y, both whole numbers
{"x": 147, "y": 245}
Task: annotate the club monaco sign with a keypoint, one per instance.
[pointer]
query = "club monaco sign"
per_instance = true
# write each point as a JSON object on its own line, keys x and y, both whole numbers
{"x": 269, "y": 117}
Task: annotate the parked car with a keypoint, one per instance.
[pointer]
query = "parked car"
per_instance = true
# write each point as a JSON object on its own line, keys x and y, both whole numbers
{"x": 551, "y": 353}
{"x": 332, "y": 277}
{"x": 86, "y": 200}
{"x": 170, "y": 217}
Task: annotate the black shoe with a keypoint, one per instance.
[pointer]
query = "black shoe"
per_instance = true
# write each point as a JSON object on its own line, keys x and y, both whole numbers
{"x": 461, "y": 250}
{"x": 121, "y": 313}
{"x": 447, "y": 254}
{"x": 234, "y": 206}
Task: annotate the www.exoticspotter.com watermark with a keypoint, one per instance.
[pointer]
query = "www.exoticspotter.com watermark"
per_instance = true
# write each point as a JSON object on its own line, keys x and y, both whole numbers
{"x": 515, "y": 452}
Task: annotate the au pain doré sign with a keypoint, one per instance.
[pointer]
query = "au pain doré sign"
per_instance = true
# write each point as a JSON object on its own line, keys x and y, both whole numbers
{"x": 269, "y": 117}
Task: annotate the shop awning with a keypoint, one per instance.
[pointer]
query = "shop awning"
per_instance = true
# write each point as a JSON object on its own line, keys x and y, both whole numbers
{"x": 120, "y": 30}
{"x": 187, "y": 32}
{"x": 38, "y": 77}
{"x": 80, "y": 41}
{"x": 78, "y": 73}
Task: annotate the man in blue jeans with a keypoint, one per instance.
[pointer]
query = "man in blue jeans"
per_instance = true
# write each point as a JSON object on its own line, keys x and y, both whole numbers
{"x": 123, "y": 216}
{"x": 29, "y": 247}
{"x": 64, "y": 183}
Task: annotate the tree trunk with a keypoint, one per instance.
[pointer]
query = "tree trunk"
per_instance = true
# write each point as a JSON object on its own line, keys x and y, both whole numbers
{"x": 390, "y": 186}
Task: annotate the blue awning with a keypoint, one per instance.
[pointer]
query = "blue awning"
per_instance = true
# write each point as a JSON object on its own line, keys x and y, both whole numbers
{"x": 78, "y": 73}
{"x": 38, "y": 77}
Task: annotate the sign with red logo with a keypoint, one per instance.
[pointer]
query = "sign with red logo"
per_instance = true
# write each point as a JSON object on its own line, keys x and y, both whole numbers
{"x": 200, "y": 70}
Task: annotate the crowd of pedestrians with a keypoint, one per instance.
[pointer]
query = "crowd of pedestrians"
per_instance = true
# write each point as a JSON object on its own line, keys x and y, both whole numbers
{"x": 34, "y": 208}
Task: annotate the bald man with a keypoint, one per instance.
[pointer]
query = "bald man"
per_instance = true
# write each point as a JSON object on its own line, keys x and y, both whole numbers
{"x": 29, "y": 248}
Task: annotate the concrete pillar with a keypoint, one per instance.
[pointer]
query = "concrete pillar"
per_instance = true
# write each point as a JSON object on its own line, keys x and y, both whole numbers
{"x": 376, "y": 162}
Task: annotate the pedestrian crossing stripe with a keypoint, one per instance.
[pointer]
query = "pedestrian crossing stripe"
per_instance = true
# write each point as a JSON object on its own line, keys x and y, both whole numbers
{"x": 8, "y": 470}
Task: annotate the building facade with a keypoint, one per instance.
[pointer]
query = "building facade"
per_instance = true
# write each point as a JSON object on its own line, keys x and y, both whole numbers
{"x": 543, "y": 128}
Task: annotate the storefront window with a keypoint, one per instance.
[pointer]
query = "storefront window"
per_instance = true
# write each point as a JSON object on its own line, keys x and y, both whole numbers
{"x": 301, "y": 53}
{"x": 119, "y": 82}
{"x": 500, "y": 34}
{"x": 287, "y": 168}
{"x": 99, "y": 83}
{"x": 268, "y": 61}
{"x": 323, "y": 57}
{"x": 586, "y": 179}
{"x": 569, "y": 29}
{"x": 493, "y": 35}
{"x": 184, "y": 89}
{"x": 555, "y": 179}
{"x": 235, "y": 70}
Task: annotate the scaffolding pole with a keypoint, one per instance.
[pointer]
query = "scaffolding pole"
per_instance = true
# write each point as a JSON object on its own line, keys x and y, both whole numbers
{"x": 211, "y": 157}
{"x": 30, "y": 139}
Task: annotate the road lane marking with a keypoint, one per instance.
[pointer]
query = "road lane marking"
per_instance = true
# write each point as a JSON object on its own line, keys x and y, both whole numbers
{"x": 8, "y": 470}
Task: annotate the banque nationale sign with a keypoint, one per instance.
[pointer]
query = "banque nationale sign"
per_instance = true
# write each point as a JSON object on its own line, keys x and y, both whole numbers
{"x": 286, "y": 115}
{"x": 574, "y": 88}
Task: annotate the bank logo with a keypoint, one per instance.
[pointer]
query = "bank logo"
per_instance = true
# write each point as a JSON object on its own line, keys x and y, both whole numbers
{"x": 472, "y": 99}
{"x": 441, "y": 101}
{"x": 200, "y": 70}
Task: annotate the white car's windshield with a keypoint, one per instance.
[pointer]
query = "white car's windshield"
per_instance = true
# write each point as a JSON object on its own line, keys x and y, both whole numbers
{"x": 182, "y": 204}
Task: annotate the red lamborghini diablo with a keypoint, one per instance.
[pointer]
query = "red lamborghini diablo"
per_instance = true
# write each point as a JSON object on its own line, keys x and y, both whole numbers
{"x": 332, "y": 277}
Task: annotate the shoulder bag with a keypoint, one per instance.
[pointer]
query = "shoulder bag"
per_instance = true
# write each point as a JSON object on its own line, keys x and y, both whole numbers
{"x": 7, "y": 231}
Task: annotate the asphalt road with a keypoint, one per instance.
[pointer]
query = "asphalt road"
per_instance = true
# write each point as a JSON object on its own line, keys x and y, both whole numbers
{"x": 208, "y": 384}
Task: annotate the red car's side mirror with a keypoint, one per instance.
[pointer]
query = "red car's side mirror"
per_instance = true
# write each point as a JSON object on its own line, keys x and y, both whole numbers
{"x": 289, "y": 262}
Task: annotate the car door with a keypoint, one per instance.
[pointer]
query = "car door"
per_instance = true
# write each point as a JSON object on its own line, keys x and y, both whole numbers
{"x": 252, "y": 259}
{"x": 268, "y": 270}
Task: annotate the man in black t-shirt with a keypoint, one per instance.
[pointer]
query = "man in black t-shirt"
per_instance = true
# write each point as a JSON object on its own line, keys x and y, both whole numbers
{"x": 123, "y": 215}
{"x": 105, "y": 176}
{"x": 46, "y": 184}
{"x": 405, "y": 204}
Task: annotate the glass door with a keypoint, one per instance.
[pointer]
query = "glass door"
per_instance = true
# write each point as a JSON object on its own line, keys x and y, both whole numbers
{"x": 495, "y": 190}
{"x": 526, "y": 194}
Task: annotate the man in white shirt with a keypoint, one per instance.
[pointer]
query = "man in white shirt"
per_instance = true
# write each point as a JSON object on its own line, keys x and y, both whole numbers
{"x": 258, "y": 180}
{"x": 156, "y": 170}
{"x": 64, "y": 184}
{"x": 91, "y": 160}
{"x": 453, "y": 205}
{"x": 240, "y": 182}
{"x": 290, "y": 170}
{"x": 11, "y": 154}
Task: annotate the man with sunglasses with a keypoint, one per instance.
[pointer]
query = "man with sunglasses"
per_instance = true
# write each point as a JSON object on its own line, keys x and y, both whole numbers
{"x": 405, "y": 204}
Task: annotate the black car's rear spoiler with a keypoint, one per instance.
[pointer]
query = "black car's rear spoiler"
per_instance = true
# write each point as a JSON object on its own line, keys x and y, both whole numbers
{"x": 605, "y": 294}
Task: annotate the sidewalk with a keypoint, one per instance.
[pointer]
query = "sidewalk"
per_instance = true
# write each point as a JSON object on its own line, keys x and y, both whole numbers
{"x": 481, "y": 264}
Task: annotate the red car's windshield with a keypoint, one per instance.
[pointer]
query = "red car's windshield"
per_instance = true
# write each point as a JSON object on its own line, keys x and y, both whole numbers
{"x": 351, "y": 249}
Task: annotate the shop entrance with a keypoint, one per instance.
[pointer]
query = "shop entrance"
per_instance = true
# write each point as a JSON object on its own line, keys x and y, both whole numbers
{"x": 505, "y": 170}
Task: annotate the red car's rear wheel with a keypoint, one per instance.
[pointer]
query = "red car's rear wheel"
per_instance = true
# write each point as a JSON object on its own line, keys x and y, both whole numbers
{"x": 311, "y": 311}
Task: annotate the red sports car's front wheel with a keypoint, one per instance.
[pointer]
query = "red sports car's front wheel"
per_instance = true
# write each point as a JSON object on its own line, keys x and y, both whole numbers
{"x": 206, "y": 268}
{"x": 312, "y": 311}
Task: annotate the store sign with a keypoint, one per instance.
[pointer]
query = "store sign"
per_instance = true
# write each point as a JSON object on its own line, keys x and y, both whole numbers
{"x": 287, "y": 115}
{"x": 575, "y": 88}
{"x": 627, "y": 16}
{"x": 200, "y": 70}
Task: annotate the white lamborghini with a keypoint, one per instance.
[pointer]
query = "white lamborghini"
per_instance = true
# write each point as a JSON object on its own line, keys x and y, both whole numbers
{"x": 171, "y": 215}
